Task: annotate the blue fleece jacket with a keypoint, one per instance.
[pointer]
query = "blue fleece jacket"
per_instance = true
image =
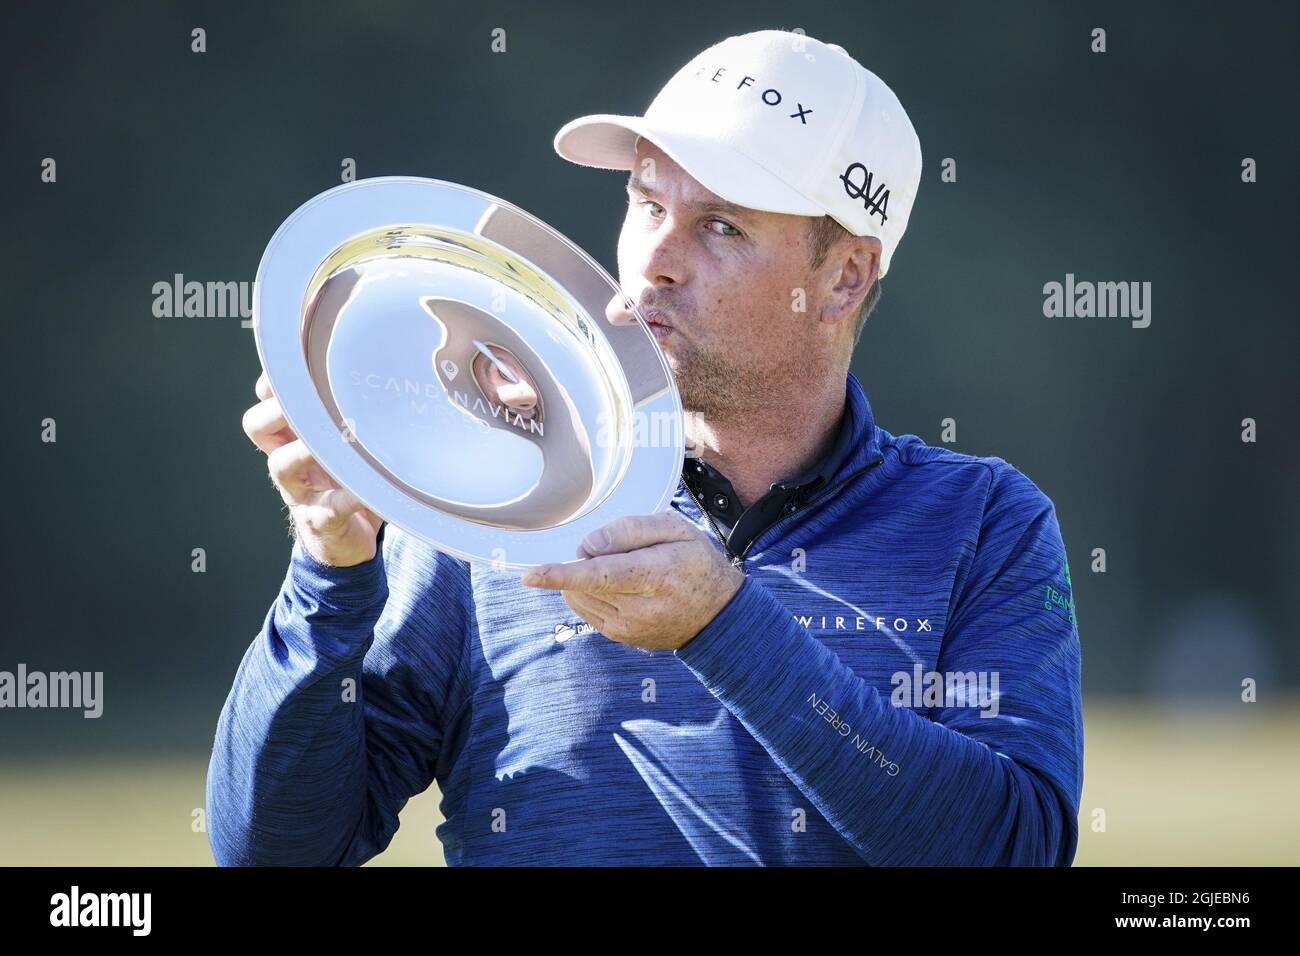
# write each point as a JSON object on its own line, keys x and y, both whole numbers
{"x": 896, "y": 682}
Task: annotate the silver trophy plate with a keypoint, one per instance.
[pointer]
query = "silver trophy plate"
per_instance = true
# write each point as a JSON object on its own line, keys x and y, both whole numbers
{"x": 393, "y": 314}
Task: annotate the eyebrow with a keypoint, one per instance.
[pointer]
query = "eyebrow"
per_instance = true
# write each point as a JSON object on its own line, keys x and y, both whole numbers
{"x": 707, "y": 205}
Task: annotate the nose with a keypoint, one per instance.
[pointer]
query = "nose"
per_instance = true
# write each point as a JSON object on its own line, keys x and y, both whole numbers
{"x": 660, "y": 253}
{"x": 619, "y": 310}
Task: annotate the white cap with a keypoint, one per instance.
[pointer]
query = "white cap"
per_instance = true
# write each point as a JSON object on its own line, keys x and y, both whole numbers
{"x": 780, "y": 122}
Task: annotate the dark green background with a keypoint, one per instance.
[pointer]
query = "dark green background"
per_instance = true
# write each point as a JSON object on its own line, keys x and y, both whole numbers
{"x": 1123, "y": 166}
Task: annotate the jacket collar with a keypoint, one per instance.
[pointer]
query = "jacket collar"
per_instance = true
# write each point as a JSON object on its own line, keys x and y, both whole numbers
{"x": 866, "y": 437}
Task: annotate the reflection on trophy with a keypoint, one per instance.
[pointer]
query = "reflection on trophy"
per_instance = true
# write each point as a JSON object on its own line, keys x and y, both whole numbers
{"x": 465, "y": 370}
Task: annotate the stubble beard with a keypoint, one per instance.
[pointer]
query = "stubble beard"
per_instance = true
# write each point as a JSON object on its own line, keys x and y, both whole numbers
{"x": 726, "y": 386}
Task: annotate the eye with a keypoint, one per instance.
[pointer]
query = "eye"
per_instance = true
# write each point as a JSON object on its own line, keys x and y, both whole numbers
{"x": 642, "y": 203}
{"x": 646, "y": 202}
{"x": 634, "y": 199}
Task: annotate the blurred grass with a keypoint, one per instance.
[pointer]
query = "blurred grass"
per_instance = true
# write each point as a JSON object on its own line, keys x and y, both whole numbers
{"x": 1178, "y": 787}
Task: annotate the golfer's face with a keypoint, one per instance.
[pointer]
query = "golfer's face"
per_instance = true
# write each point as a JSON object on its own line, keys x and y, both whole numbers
{"x": 720, "y": 276}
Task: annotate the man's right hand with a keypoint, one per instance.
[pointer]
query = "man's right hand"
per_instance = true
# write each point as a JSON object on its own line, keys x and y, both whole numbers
{"x": 332, "y": 524}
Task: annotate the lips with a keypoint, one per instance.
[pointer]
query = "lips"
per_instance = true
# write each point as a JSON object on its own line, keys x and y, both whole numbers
{"x": 655, "y": 317}
{"x": 659, "y": 325}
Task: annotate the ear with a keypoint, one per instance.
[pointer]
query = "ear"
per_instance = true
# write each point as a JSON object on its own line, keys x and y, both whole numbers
{"x": 854, "y": 267}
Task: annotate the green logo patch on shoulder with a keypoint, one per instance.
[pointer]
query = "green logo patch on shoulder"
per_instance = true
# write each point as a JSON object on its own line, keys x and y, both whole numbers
{"x": 1061, "y": 598}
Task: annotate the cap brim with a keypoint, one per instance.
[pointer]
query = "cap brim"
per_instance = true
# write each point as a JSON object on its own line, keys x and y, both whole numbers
{"x": 607, "y": 141}
{"x": 602, "y": 140}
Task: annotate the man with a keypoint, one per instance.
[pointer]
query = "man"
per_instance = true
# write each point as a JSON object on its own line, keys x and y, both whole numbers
{"x": 839, "y": 646}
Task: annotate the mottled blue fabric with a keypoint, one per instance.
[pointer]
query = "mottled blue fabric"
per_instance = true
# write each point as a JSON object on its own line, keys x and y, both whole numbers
{"x": 793, "y": 729}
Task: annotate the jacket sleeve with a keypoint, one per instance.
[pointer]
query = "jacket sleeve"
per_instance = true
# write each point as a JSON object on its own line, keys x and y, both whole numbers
{"x": 950, "y": 786}
{"x": 337, "y": 713}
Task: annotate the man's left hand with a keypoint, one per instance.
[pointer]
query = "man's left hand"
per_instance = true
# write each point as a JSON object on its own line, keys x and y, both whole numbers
{"x": 655, "y": 583}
